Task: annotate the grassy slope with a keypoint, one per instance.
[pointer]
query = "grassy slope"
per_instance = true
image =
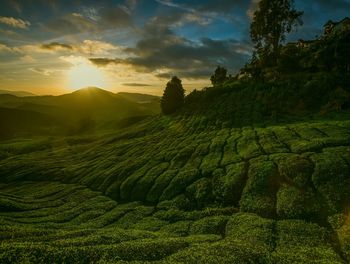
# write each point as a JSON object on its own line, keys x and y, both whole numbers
{"x": 180, "y": 189}
{"x": 17, "y": 121}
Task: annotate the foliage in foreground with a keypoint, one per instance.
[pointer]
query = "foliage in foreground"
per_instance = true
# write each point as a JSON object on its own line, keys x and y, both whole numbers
{"x": 275, "y": 194}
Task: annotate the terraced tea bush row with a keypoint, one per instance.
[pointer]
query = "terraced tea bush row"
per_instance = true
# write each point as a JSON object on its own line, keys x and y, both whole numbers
{"x": 200, "y": 187}
{"x": 212, "y": 165}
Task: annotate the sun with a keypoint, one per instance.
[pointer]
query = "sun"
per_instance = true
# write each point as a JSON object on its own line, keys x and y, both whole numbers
{"x": 85, "y": 75}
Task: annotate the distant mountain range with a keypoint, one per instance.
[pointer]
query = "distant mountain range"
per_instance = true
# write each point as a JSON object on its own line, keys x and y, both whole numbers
{"x": 17, "y": 93}
{"x": 78, "y": 112}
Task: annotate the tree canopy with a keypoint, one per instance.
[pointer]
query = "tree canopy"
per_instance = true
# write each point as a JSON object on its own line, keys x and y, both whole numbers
{"x": 173, "y": 96}
{"x": 219, "y": 77}
{"x": 271, "y": 22}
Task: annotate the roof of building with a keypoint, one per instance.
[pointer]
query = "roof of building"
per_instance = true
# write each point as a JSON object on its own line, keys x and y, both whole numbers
{"x": 345, "y": 19}
{"x": 305, "y": 41}
{"x": 330, "y": 22}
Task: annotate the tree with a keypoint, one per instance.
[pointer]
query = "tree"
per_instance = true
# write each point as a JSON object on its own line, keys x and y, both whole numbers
{"x": 173, "y": 96}
{"x": 219, "y": 77}
{"x": 271, "y": 22}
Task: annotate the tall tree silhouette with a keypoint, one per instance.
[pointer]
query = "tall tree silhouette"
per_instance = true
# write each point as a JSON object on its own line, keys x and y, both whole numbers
{"x": 219, "y": 77}
{"x": 173, "y": 97}
{"x": 271, "y": 22}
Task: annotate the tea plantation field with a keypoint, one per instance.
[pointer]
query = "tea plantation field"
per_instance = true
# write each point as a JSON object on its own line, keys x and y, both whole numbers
{"x": 179, "y": 190}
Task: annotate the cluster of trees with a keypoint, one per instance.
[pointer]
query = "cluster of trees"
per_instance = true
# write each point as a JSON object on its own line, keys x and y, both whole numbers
{"x": 174, "y": 94}
{"x": 272, "y": 20}
{"x": 271, "y": 23}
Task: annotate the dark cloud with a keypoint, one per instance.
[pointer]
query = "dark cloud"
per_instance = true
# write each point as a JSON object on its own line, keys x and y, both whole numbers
{"x": 106, "y": 61}
{"x": 202, "y": 73}
{"x": 224, "y": 6}
{"x": 198, "y": 59}
{"x": 56, "y": 46}
{"x": 136, "y": 84}
{"x": 181, "y": 53}
{"x": 72, "y": 24}
{"x": 205, "y": 12}
{"x": 161, "y": 48}
{"x": 115, "y": 16}
{"x": 108, "y": 17}
{"x": 15, "y": 5}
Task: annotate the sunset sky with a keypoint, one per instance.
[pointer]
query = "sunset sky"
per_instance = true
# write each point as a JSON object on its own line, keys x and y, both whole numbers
{"x": 55, "y": 47}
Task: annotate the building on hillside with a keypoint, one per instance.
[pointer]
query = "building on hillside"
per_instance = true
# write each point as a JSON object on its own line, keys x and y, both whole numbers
{"x": 243, "y": 74}
{"x": 304, "y": 43}
{"x": 328, "y": 28}
{"x": 335, "y": 28}
{"x": 301, "y": 44}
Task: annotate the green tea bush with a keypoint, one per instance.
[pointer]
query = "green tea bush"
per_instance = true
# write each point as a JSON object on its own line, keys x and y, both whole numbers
{"x": 200, "y": 192}
{"x": 139, "y": 192}
{"x": 331, "y": 180}
{"x": 247, "y": 146}
{"x": 259, "y": 194}
{"x": 180, "y": 228}
{"x": 228, "y": 186}
{"x": 179, "y": 183}
{"x": 302, "y": 242}
{"x": 293, "y": 202}
{"x": 159, "y": 185}
{"x": 209, "y": 225}
{"x": 252, "y": 232}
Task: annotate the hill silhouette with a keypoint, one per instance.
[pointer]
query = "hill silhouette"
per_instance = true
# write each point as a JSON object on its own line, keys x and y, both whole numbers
{"x": 79, "y": 111}
{"x": 17, "y": 93}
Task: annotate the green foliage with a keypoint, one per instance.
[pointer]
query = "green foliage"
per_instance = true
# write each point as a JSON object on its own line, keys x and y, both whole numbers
{"x": 251, "y": 231}
{"x": 224, "y": 251}
{"x": 302, "y": 242}
{"x": 159, "y": 185}
{"x": 219, "y": 76}
{"x": 200, "y": 193}
{"x": 288, "y": 98}
{"x": 271, "y": 22}
{"x": 191, "y": 193}
{"x": 228, "y": 186}
{"x": 289, "y": 59}
{"x": 209, "y": 225}
{"x": 179, "y": 183}
{"x": 260, "y": 191}
{"x": 179, "y": 228}
{"x": 173, "y": 97}
{"x": 343, "y": 232}
{"x": 293, "y": 202}
{"x": 331, "y": 180}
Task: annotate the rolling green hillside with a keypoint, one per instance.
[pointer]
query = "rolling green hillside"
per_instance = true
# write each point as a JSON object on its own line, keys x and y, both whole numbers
{"x": 252, "y": 170}
{"x": 17, "y": 122}
{"x": 84, "y": 110}
{"x": 180, "y": 189}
